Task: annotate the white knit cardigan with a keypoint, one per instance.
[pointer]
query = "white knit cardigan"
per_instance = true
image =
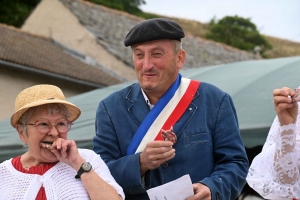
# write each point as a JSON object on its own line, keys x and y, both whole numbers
{"x": 59, "y": 181}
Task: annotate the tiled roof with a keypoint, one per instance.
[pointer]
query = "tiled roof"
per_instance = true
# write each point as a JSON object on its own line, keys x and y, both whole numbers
{"x": 17, "y": 46}
{"x": 111, "y": 26}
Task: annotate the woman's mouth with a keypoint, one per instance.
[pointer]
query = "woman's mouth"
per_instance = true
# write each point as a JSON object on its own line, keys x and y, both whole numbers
{"x": 47, "y": 145}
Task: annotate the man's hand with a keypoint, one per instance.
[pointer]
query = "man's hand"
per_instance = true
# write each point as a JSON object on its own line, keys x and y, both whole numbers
{"x": 156, "y": 153}
{"x": 202, "y": 192}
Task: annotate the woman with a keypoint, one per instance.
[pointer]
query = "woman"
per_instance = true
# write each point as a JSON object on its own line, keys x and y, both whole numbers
{"x": 53, "y": 167}
{"x": 274, "y": 173}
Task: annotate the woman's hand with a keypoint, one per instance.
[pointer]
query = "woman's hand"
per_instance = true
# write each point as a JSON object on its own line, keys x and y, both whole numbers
{"x": 66, "y": 151}
{"x": 285, "y": 107}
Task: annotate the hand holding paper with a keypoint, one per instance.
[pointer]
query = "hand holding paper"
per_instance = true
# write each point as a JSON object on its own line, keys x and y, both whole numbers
{"x": 178, "y": 189}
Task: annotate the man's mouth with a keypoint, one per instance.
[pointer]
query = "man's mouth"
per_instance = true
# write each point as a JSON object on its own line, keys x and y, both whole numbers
{"x": 147, "y": 75}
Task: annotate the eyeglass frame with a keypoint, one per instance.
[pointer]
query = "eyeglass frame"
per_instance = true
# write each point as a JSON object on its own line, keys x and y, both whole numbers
{"x": 69, "y": 123}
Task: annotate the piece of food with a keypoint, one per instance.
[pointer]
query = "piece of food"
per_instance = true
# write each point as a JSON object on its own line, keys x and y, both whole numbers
{"x": 47, "y": 145}
{"x": 169, "y": 135}
{"x": 296, "y": 97}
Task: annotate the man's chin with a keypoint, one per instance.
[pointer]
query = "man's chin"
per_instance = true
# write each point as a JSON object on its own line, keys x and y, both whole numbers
{"x": 148, "y": 88}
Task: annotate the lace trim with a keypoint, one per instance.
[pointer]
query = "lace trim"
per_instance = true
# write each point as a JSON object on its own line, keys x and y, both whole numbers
{"x": 274, "y": 173}
{"x": 285, "y": 162}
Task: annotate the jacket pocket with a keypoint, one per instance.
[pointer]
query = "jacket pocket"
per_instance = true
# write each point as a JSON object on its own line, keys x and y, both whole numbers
{"x": 198, "y": 138}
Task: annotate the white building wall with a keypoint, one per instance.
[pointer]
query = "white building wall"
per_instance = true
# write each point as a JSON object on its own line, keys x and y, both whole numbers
{"x": 53, "y": 20}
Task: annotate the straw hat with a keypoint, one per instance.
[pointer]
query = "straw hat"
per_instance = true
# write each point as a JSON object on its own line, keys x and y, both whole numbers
{"x": 39, "y": 95}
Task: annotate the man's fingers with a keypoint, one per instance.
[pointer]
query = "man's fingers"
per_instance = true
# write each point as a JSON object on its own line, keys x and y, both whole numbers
{"x": 158, "y": 151}
{"x": 157, "y": 144}
{"x": 201, "y": 192}
{"x": 151, "y": 158}
{"x": 157, "y": 148}
{"x": 162, "y": 156}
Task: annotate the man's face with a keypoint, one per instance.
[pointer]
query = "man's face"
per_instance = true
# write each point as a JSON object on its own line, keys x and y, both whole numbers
{"x": 157, "y": 65}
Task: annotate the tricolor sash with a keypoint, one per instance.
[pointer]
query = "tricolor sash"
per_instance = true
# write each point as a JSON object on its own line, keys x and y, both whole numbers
{"x": 164, "y": 114}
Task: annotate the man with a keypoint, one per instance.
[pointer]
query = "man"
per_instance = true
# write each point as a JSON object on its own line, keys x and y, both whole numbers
{"x": 130, "y": 123}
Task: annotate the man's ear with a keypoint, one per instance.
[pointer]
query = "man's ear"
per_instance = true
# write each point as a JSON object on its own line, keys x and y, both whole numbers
{"x": 181, "y": 55}
{"x": 21, "y": 133}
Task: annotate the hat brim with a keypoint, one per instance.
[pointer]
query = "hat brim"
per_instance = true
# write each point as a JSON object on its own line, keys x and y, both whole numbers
{"x": 74, "y": 111}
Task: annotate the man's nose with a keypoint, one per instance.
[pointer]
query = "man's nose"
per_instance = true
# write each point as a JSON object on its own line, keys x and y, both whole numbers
{"x": 147, "y": 63}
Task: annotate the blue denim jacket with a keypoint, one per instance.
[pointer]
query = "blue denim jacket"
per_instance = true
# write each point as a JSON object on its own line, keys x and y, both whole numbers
{"x": 209, "y": 147}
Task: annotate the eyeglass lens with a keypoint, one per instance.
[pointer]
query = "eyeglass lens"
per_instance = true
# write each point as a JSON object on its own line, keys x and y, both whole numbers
{"x": 44, "y": 126}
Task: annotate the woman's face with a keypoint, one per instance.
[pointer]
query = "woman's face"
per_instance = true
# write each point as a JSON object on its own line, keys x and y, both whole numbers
{"x": 33, "y": 138}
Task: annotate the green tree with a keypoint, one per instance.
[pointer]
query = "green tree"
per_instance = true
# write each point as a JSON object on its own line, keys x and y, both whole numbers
{"x": 130, "y": 6}
{"x": 15, "y": 12}
{"x": 237, "y": 32}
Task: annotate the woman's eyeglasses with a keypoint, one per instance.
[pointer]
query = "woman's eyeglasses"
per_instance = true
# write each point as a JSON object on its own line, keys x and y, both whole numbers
{"x": 44, "y": 126}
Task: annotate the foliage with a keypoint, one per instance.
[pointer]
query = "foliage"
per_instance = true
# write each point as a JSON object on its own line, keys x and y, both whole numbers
{"x": 234, "y": 31}
{"x": 237, "y": 32}
{"x": 282, "y": 48}
{"x": 149, "y": 15}
{"x": 130, "y": 6}
{"x": 15, "y": 12}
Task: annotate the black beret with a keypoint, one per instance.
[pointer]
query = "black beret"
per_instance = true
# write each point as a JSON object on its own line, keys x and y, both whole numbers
{"x": 154, "y": 29}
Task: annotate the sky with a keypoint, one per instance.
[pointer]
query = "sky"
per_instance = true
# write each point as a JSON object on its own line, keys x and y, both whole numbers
{"x": 278, "y": 18}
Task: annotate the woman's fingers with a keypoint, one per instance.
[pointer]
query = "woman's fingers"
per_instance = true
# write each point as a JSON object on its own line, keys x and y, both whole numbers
{"x": 282, "y": 97}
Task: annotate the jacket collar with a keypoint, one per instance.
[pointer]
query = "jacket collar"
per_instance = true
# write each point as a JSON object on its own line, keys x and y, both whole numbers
{"x": 138, "y": 108}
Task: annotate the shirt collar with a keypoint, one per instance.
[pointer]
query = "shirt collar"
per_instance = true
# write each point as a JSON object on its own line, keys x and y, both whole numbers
{"x": 147, "y": 100}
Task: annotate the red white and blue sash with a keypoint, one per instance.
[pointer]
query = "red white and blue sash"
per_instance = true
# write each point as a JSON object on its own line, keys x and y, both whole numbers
{"x": 164, "y": 114}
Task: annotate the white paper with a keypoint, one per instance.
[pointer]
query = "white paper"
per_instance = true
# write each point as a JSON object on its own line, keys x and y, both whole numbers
{"x": 178, "y": 189}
